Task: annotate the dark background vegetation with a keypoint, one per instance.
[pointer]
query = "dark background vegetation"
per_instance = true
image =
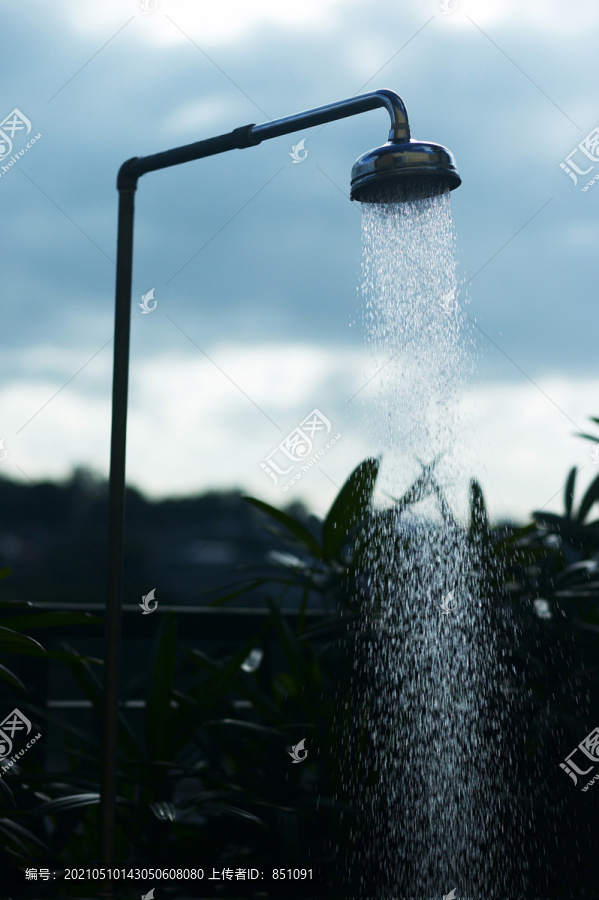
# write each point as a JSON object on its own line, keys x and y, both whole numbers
{"x": 54, "y": 538}
{"x": 204, "y": 776}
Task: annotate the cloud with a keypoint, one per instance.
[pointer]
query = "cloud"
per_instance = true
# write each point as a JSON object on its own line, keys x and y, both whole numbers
{"x": 171, "y": 22}
{"x": 195, "y": 427}
{"x": 534, "y": 15}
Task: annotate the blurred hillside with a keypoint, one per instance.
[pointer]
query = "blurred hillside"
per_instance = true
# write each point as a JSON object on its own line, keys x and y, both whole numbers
{"x": 54, "y": 538}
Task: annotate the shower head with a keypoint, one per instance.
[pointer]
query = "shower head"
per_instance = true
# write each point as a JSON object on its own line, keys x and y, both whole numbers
{"x": 403, "y": 170}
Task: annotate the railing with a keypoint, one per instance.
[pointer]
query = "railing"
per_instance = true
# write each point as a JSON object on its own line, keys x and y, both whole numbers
{"x": 202, "y": 626}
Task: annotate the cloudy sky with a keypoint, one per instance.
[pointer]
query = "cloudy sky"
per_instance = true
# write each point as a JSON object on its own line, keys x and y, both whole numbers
{"x": 254, "y": 260}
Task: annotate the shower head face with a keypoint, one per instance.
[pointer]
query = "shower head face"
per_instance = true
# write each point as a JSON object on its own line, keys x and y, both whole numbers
{"x": 400, "y": 171}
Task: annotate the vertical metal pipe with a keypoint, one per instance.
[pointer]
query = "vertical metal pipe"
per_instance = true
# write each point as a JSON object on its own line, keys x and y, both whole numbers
{"x": 130, "y": 171}
{"x": 122, "y": 328}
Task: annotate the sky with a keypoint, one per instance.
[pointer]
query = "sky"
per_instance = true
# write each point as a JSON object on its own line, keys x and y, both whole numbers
{"x": 253, "y": 256}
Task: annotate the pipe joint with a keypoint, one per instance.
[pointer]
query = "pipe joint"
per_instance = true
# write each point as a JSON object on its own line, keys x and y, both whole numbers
{"x": 127, "y": 177}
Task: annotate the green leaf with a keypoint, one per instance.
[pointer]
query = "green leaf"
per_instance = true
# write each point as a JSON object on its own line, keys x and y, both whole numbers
{"x": 246, "y": 686}
{"x": 8, "y": 794}
{"x": 421, "y": 489}
{"x": 569, "y": 492}
{"x": 93, "y": 689}
{"x": 86, "y": 677}
{"x": 350, "y": 506}
{"x": 7, "y": 675}
{"x": 304, "y": 606}
{"x": 14, "y": 831}
{"x": 443, "y": 504}
{"x": 591, "y": 497}
{"x": 575, "y": 532}
{"x": 296, "y": 528}
{"x": 165, "y": 812}
{"x": 14, "y": 642}
{"x": 223, "y": 675}
{"x": 73, "y": 801}
{"x": 227, "y": 810}
{"x": 197, "y": 801}
{"x": 240, "y": 723}
{"x": 589, "y": 437}
{"x": 304, "y": 672}
{"x": 479, "y": 520}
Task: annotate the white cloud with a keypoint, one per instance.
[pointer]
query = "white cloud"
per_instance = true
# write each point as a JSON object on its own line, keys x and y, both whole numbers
{"x": 205, "y": 23}
{"x": 529, "y": 443}
{"x": 171, "y": 22}
{"x": 535, "y": 14}
{"x": 192, "y": 429}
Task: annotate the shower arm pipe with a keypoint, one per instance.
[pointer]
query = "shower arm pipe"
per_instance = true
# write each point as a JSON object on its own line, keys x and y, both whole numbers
{"x": 129, "y": 173}
{"x": 252, "y": 135}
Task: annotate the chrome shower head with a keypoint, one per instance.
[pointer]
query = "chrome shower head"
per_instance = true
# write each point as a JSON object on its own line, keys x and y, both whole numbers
{"x": 403, "y": 170}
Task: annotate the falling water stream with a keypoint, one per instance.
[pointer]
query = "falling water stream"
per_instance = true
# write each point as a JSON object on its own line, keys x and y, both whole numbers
{"x": 431, "y": 670}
